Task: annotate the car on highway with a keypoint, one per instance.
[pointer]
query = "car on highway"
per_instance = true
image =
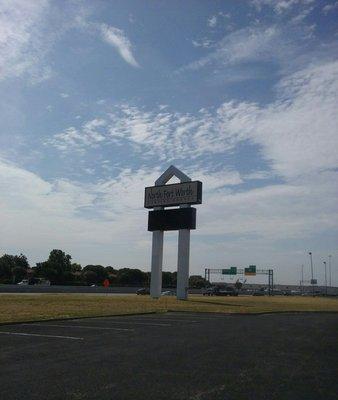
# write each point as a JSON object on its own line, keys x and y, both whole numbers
{"x": 168, "y": 293}
{"x": 209, "y": 291}
{"x": 296, "y": 292}
{"x": 142, "y": 291}
{"x": 227, "y": 291}
{"x": 23, "y": 282}
{"x": 220, "y": 291}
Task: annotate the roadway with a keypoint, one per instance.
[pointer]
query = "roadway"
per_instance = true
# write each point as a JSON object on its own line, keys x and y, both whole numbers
{"x": 76, "y": 289}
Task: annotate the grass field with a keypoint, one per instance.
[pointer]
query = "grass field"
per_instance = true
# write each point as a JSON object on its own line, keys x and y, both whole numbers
{"x": 16, "y": 308}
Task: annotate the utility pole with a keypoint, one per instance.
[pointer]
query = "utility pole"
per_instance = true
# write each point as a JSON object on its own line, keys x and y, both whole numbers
{"x": 325, "y": 279}
{"x": 313, "y": 289}
{"x": 330, "y": 282}
{"x": 302, "y": 279}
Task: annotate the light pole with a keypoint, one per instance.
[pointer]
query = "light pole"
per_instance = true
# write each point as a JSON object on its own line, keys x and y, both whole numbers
{"x": 324, "y": 262}
{"x": 330, "y": 283}
{"x": 302, "y": 277}
{"x": 313, "y": 289}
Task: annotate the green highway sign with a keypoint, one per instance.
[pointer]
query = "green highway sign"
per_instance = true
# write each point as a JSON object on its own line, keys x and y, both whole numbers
{"x": 229, "y": 271}
{"x": 251, "y": 270}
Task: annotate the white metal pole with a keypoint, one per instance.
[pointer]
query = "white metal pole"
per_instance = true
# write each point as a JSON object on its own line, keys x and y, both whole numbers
{"x": 313, "y": 288}
{"x": 156, "y": 264}
{"x": 325, "y": 278}
{"x": 330, "y": 270}
{"x": 183, "y": 264}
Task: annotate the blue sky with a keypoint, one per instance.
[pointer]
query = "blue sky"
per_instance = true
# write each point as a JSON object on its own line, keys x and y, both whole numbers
{"x": 99, "y": 97}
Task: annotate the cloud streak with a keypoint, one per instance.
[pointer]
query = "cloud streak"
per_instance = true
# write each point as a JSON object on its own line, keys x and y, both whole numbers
{"x": 21, "y": 44}
{"x": 281, "y": 6}
{"x": 330, "y": 7}
{"x": 262, "y": 44}
{"x": 117, "y": 38}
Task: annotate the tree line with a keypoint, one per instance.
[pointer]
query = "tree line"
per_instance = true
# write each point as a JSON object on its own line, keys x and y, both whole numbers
{"x": 59, "y": 269}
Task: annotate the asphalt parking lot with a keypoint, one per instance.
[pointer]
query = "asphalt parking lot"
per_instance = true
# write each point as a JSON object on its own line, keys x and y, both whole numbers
{"x": 172, "y": 356}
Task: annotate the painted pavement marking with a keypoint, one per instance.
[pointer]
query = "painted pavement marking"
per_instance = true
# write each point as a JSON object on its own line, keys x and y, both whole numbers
{"x": 81, "y": 327}
{"x": 40, "y": 335}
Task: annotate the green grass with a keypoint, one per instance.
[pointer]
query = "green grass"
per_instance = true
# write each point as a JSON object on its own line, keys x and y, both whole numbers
{"x": 17, "y": 308}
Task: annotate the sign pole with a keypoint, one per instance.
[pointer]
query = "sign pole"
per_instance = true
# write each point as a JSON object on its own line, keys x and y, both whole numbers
{"x": 156, "y": 264}
{"x": 183, "y": 264}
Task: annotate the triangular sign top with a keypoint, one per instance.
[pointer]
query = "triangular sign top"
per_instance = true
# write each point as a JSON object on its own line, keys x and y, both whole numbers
{"x": 169, "y": 173}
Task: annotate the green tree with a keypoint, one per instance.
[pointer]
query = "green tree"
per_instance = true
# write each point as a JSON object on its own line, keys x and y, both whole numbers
{"x": 57, "y": 268}
{"x": 21, "y": 261}
{"x": 75, "y": 267}
{"x": 197, "y": 282}
{"x": 45, "y": 270}
{"x": 8, "y": 264}
{"x": 100, "y": 271}
{"x": 168, "y": 279}
{"x": 129, "y": 276}
{"x": 238, "y": 285}
{"x": 90, "y": 277}
{"x": 18, "y": 273}
{"x": 112, "y": 274}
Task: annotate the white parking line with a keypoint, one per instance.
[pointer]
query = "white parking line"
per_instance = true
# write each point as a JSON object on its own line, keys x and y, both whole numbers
{"x": 37, "y": 334}
{"x": 167, "y": 319}
{"x": 80, "y": 326}
{"x": 138, "y": 323}
{"x": 196, "y": 320}
{"x": 207, "y": 318}
{"x": 128, "y": 322}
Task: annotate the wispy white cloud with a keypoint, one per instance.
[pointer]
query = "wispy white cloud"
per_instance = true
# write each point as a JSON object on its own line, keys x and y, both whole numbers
{"x": 296, "y": 135}
{"x": 280, "y": 6}
{"x": 212, "y": 21}
{"x": 283, "y": 42}
{"x": 274, "y": 212}
{"x": 330, "y": 7}
{"x": 117, "y": 38}
{"x": 168, "y": 135}
{"x": 247, "y": 44}
{"x": 21, "y": 43}
{"x": 203, "y": 43}
{"x": 299, "y": 131}
{"x": 28, "y": 32}
{"x": 258, "y": 175}
{"x": 293, "y": 137}
{"x": 89, "y": 135}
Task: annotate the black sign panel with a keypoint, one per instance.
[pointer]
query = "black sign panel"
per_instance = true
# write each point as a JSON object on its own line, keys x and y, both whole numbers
{"x": 173, "y": 194}
{"x": 172, "y": 220}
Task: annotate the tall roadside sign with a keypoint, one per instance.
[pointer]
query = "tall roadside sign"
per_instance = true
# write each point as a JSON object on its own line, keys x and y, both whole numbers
{"x": 183, "y": 219}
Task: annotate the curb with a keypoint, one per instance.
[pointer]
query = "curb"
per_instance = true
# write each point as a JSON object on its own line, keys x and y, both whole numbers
{"x": 239, "y": 314}
{"x": 169, "y": 312}
{"x": 85, "y": 317}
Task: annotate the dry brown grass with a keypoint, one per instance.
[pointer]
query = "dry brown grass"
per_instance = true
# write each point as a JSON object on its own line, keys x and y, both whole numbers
{"x": 16, "y": 308}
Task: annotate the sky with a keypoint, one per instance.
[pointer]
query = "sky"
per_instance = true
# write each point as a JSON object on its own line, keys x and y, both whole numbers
{"x": 98, "y": 98}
